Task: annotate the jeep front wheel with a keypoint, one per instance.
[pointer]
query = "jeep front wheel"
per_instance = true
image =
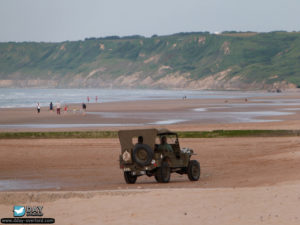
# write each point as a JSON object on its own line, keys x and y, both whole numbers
{"x": 130, "y": 179}
{"x": 163, "y": 173}
{"x": 193, "y": 170}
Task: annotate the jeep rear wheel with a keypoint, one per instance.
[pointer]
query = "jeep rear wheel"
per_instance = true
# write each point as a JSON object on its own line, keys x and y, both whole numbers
{"x": 163, "y": 173}
{"x": 130, "y": 179}
{"x": 193, "y": 170}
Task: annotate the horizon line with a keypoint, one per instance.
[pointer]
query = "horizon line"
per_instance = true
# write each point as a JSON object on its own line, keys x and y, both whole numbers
{"x": 137, "y": 36}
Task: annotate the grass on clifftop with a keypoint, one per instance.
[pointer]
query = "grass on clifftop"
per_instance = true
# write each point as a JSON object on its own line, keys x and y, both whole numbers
{"x": 181, "y": 134}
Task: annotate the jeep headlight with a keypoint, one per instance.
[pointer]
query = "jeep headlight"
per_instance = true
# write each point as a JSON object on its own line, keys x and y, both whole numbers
{"x": 126, "y": 156}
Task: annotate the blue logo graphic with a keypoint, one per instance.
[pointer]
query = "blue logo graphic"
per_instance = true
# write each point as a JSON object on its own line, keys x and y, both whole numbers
{"x": 19, "y": 211}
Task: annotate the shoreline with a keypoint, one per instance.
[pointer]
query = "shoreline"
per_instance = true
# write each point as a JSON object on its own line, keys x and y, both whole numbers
{"x": 272, "y": 112}
{"x": 78, "y": 96}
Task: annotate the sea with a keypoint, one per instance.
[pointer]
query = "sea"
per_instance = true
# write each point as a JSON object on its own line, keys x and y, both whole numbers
{"x": 29, "y": 97}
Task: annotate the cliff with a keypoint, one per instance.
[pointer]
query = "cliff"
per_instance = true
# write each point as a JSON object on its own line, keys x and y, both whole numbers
{"x": 227, "y": 61}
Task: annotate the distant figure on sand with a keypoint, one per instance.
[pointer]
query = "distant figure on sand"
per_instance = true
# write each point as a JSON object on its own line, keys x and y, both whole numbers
{"x": 184, "y": 97}
{"x": 84, "y": 108}
{"x": 38, "y": 107}
{"x": 51, "y": 106}
{"x": 96, "y": 99}
{"x": 88, "y": 99}
{"x": 65, "y": 109}
{"x": 58, "y": 108}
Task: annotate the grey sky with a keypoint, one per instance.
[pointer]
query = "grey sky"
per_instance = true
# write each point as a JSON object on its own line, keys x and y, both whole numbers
{"x": 58, "y": 20}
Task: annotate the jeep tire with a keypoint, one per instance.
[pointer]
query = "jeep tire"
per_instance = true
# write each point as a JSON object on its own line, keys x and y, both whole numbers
{"x": 129, "y": 178}
{"x": 142, "y": 154}
{"x": 193, "y": 170}
{"x": 163, "y": 173}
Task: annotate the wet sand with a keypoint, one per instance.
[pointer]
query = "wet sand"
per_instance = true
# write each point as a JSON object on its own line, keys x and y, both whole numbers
{"x": 281, "y": 111}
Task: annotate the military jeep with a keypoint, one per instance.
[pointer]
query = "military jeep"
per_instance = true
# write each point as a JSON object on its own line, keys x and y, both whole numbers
{"x": 141, "y": 154}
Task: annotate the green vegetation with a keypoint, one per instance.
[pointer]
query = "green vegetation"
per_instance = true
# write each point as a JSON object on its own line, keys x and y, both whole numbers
{"x": 64, "y": 134}
{"x": 254, "y": 57}
{"x": 181, "y": 134}
{"x": 238, "y": 133}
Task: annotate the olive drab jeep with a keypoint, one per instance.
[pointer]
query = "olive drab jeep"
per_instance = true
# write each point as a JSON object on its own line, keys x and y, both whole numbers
{"x": 143, "y": 154}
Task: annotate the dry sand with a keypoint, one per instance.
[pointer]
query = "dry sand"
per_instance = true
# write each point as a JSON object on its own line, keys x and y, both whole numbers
{"x": 92, "y": 164}
{"x": 243, "y": 181}
{"x": 262, "y": 205}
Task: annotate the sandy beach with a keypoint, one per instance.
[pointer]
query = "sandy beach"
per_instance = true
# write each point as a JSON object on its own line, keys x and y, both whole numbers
{"x": 243, "y": 181}
{"x": 262, "y": 205}
{"x": 280, "y": 111}
{"x": 78, "y": 181}
{"x": 92, "y": 164}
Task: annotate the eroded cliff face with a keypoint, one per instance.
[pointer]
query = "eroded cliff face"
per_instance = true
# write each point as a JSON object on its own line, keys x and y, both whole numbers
{"x": 219, "y": 81}
{"x": 28, "y": 83}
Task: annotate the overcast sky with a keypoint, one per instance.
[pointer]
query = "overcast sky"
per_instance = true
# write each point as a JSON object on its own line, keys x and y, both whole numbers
{"x": 59, "y": 20}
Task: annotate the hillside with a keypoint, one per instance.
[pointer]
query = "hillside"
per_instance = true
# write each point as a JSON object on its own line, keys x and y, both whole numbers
{"x": 186, "y": 60}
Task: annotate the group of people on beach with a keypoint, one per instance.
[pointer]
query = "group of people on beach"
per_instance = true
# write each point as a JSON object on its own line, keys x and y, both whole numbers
{"x": 57, "y": 107}
{"x": 51, "y": 107}
{"x": 65, "y": 109}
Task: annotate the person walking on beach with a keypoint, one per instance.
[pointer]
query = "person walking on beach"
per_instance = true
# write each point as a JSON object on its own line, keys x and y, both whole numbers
{"x": 65, "y": 109}
{"x": 84, "y": 108}
{"x": 96, "y": 99}
{"x": 51, "y": 106}
{"x": 38, "y": 107}
{"x": 88, "y": 99}
{"x": 58, "y": 108}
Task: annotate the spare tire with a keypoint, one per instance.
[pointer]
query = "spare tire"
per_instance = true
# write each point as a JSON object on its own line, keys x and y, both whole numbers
{"x": 142, "y": 154}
